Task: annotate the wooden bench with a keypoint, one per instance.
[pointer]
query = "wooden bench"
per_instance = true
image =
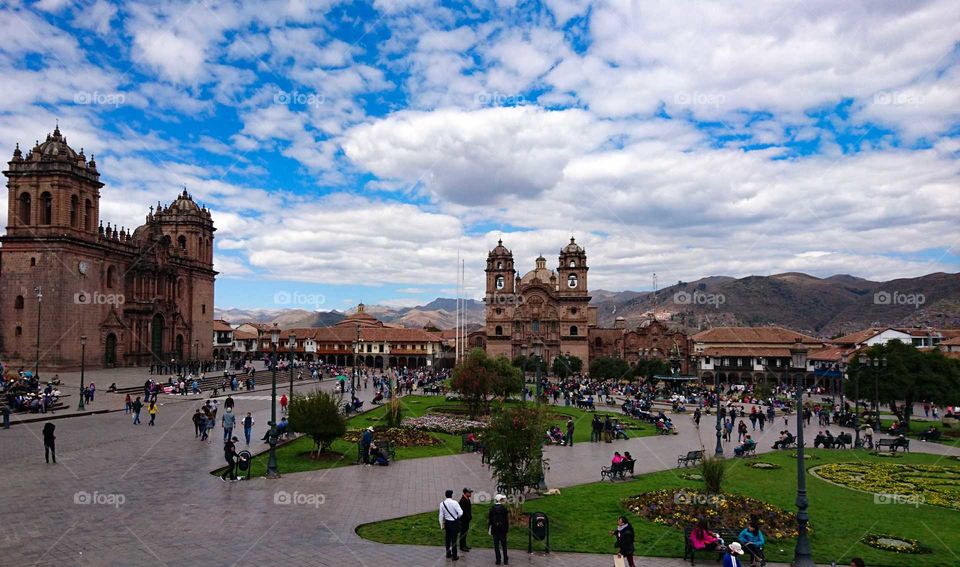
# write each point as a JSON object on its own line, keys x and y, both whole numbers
{"x": 892, "y": 445}
{"x": 620, "y": 472}
{"x": 728, "y": 536}
{"x": 691, "y": 458}
{"x": 750, "y": 451}
{"x": 387, "y": 447}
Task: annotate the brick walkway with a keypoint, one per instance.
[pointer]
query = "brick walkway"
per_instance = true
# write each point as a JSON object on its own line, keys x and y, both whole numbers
{"x": 154, "y": 504}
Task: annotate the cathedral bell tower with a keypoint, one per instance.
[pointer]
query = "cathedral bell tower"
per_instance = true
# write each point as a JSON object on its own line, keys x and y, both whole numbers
{"x": 573, "y": 270}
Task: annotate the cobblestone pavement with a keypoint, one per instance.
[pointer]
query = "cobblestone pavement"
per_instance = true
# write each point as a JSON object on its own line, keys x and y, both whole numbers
{"x": 139, "y": 495}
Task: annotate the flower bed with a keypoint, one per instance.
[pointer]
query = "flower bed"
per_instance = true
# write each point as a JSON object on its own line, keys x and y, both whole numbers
{"x": 930, "y": 484}
{"x": 444, "y": 424}
{"x": 895, "y": 544}
{"x": 683, "y": 507}
{"x": 763, "y": 465}
{"x": 398, "y": 436}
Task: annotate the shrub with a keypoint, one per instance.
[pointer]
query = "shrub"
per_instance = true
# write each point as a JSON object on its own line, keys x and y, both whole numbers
{"x": 713, "y": 470}
{"x": 317, "y": 415}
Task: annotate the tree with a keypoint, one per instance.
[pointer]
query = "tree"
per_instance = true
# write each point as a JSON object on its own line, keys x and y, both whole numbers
{"x": 479, "y": 377}
{"x": 317, "y": 415}
{"x": 514, "y": 442}
{"x": 649, "y": 367}
{"x": 909, "y": 376}
{"x": 610, "y": 368}
{"x": 566, "y": 365}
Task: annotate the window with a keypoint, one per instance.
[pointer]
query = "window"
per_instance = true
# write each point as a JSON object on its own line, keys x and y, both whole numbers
{"x": 573, "y": 310}
{"x": 46, "y": 208}
{"x": 182, "y": 242}
{"x": 19, "y": 330}
{"x": 573, "y": 263}
{"x": 498, "y": 311}
{"x": 33, "y": 262}
{"x": 498, "y": 331}
{"x": 24, "y": 212}
{"x": 574, "y": 331}
{"x": 598, "y": 342}
{"x": 87, "y": 215}
{"x": 500, "y": 282}
{"x": 572, "y": 281}
{"x": 203, "y": 308}
{"x": 110, "y": 275}
{"x": 18, "y": 303}
{"x": 499, "y": 265}
{"x": 536, "y": 325}
{"x": 74, "y": 211}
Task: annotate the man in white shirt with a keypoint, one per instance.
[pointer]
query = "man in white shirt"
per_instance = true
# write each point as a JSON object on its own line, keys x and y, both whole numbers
{"x": 450, "y": 513}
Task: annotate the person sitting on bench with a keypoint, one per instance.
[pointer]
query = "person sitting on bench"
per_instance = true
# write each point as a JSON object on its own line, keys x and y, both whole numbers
{"x": 822, "y": 440}
{"x": 786, "y": 439}
{"x": 470, "y": 442}
{"x": 748, "y": 445}
{"x": 616, "y": 464}
{"x": 627, "y": 462}
{"x": 702, "y": 539}
{"x": 901, "y": 441}
{"x": 377, "y": 455}
{"x": 753, "y": 541}
{"x": 619, "y": 431}
{"x": 931, "y": 433}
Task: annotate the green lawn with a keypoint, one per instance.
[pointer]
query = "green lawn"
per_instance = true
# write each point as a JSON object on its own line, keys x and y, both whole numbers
{"x": 289, "y": 459}
{"x": 582, "y": 516}
{"x": 949, "y": 435}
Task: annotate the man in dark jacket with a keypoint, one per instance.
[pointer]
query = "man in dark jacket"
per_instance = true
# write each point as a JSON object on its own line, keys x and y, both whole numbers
{"x": 365, "y": 440}
{"x": 467, "y": 505}
{"x": 49, "y": 447}
{"x": 498, "y": 520}
{"x": 137, "y": 406}
{"x": 230, "y": 455}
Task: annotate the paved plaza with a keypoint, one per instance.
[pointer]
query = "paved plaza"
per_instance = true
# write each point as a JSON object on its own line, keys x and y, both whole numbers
{"x": 138, "y": 495}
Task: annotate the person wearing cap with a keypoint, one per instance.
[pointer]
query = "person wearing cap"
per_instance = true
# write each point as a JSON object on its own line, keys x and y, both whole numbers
{"x": 450, "y": 513}
{"x": 467, "y": 506}
{"x": 732, "y": 557}
{"x": 498, "y": 524}
{"x": 365, "y": 440}
{"x": 624, "y": 542}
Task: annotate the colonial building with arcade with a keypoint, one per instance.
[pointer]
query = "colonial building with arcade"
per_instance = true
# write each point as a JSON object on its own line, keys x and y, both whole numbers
{"x": 70, "y": 285}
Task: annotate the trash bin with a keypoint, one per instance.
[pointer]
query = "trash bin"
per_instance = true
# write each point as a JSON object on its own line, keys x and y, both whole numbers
{"x": 538, "y": 528}
{"x": 244, "y": 460}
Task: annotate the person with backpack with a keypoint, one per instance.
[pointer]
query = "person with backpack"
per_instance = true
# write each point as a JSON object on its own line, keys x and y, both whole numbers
{"x": 498, "y": 524}
{"x": 136, "y": 407}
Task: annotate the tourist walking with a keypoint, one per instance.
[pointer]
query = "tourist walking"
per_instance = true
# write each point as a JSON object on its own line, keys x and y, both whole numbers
{"x": 466, "y": 505}
{"x": 247, "y": 427}
{"x": 570, "y": 428}
{"x": 228, "y": 421}
{"x": 283, "y": 403}
{"x": 624, "y": 542}
{"x": 49, "y": 444}
{"x": 450, "y": 513}
{"x": 197, "y": 422}
{"x": 136, "y": 407}
{"x": 127, "y": 403}
{"x": 230, "y": 455}
{"x": 498, "y": 523}
{"x": 152, "y": 410}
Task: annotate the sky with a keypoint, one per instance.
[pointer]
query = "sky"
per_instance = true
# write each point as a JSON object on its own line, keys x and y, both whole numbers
{"x": 352, "y": 151}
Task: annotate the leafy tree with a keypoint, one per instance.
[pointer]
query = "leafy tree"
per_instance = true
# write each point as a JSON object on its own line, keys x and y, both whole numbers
{"x": 431, "y": 328}
{"x": 480, "y": 377}
{"x": 317, "y": 415}
{"x": 610, "y": 368}
{"x": 649, "y": 367}
{"x": 566, "y": 365}
{"x": 528, "y": 363}
{"x": 909, "y": 375}
{"x": 514, "y": 442}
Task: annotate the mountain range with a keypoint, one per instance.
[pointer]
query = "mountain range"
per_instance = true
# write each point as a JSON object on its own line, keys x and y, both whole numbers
{"x": 818, "y": 306}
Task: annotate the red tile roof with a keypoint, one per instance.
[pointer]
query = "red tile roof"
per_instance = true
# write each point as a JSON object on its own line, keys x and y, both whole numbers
{"x": 858, "y": 337}
{"x": 750, "y": 335}
{"x": 221, "y": 325}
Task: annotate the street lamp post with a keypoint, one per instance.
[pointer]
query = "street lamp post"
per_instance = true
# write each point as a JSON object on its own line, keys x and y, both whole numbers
{"x": 802, "y": 555}
{"x": 356, "y": 362}
{"x": 83, "y": 357}
{"x": 272, "y": 471}
{"x": 293, "y": 341}
{"x": 716, "y": 390}
{"x": 36, "y": 367}
{"x": 876, "y": 364}
{"x": 857, "y": 443}
{"x": 537, "y": 350}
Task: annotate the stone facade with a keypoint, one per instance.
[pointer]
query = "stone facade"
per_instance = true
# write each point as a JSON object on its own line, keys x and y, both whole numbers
{"x": 543, "y": 307}
{"x": 138, "y": 296}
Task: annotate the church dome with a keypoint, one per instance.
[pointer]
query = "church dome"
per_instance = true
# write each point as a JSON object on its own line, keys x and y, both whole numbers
{"x": 500, "y": 250}
{"x": 55, "y": 148}
{"x": 184, "y": 204}
{"x": 572, "y": 248}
